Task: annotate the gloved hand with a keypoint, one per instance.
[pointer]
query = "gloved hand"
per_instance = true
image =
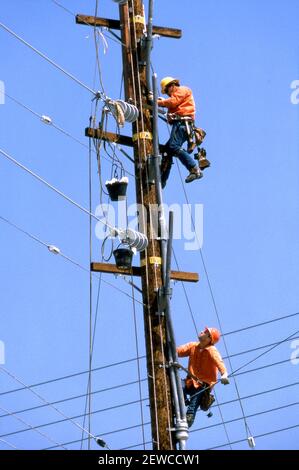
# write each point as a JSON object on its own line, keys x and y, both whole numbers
{"x": 224, "y": 379}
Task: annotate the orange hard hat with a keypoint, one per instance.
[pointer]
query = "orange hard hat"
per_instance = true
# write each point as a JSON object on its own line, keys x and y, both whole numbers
{"x": 214, "y": 333}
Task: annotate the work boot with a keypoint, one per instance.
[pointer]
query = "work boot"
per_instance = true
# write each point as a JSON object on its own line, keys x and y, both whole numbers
{"x": 203, "y": 163}
{"x": 201, "y": 156}
{"x": 195, "y": 174}
{"x": 190, "y": 419}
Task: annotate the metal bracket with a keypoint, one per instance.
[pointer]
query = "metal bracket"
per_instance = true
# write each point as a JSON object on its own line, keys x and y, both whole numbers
{"x": 163, "y": 293}
{"x": 151, "y": 177}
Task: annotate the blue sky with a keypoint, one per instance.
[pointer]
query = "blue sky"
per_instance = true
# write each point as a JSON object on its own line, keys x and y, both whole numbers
{"x": 240, "y": 59}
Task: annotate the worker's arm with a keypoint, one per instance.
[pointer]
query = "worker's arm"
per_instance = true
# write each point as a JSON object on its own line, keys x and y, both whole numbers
{"x": 176, "y": 99}
{"x": 184, "y": 350}
{"x": 217, "y": 359}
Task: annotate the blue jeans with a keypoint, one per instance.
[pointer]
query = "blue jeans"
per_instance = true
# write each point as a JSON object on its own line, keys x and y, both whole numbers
{"x": 173, "y": 148}
{"x": 195, "y": 399}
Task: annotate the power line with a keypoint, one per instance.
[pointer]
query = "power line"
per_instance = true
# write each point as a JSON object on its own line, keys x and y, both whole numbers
{"x": 75, "y": 397}
{"x": 33, "y": 237}
{"x": 264, "y": 353}
{"x": 195, "y": 430}
{"x": 14, "y": 377}
{"x": 259, "y": 413}
{"x": 51, "y": 423}
{"x": 41, "y": 54}
{"x": 9, "y": 444}
{"x": 145, "y": 399}
{"x": 258, "y": 436}
{"x": 76, "y": 374}
{"x": 66, "y": 133}
{"x": 258, "y": 348}
{"x": 260, "y": 324}
{"x": 264, "y": 392}
{"x": 50, "y": 186}
{"x": 32, "y": 428}
{"x": 128, "y": 428}
{"x": 117, "y": 39}
{"x": 272, "y": 364}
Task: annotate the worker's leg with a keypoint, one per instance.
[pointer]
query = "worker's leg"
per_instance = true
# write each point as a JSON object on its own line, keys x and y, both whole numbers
{"x": 174, "y": 145}
{"x": 165, "y": 169}
{"x": 195, "y": 398}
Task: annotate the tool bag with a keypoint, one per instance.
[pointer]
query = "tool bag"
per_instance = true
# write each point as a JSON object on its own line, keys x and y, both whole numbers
{"x": 207, "y": 400}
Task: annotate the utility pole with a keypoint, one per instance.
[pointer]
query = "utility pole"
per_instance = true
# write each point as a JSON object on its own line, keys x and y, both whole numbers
{"x": 132, "y": 25}
{"x": 134, "y": 65}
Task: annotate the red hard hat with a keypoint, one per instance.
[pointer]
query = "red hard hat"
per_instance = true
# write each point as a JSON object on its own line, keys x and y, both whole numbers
{"x": 214, "y": 333}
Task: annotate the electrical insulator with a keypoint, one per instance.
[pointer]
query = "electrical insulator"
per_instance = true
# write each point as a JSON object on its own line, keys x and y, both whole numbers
{"x": 130, "y": 111}
{"x": 46, "y": 119}
{"x": 120, "y": 2}
{"x": 251, "y": 442}
{"x": 54, "y": 249}
{"x": 131, "y": 237}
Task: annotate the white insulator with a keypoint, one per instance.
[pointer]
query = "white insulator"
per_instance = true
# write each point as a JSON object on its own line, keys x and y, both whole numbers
{"x": 46, "y": 119}
{"x": 251, "y": 442}
{"x": 131, "y": 237}
{"x": 130, "y": 111}
{"x": 120, "y": 2}
{"x": 54, "y": 249}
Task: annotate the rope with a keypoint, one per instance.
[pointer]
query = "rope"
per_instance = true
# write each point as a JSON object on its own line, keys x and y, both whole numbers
{"x": 248, "y": 432}
{"x": 89, "y": 387}
{"x": 139, "y": 105}
{"x": 138, "y": 367}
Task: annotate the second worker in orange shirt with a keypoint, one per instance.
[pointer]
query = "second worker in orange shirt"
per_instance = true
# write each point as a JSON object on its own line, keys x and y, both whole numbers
{"x": 204, "y": 363}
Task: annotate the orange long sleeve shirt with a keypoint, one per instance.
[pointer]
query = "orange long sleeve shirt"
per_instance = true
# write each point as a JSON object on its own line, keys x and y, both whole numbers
{"x": 181, "y": 102}
{"x": 203, "y": 363}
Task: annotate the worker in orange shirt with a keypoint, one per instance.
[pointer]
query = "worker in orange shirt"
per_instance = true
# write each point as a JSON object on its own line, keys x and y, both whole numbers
{"x": 204, "y": 362}
{"x": 181, "y": 110}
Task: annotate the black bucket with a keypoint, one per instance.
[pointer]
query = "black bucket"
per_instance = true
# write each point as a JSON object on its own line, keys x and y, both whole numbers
{"x": 123, "y": 257}
{"x": 117, "y": 190}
